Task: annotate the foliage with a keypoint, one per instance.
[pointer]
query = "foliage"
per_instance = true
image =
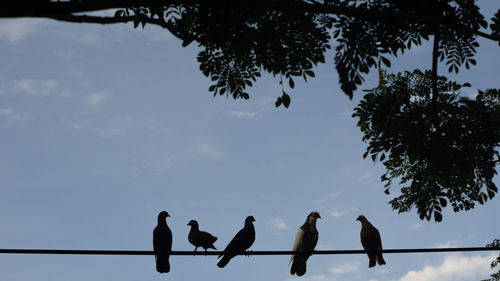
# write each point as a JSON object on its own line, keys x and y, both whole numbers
{"x": 496, "y": 262}
{"x": 240, "y": 41}
{"x": 441, "y": 149}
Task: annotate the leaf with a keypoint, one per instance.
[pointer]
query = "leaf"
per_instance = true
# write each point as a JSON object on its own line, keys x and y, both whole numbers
{"x": 309, "y": 72}
{"x": 291, "y": 83}
{"x": 438, "y": 217}
{"x": 286, "y": 100}
{"x": 386, "y": 61}
{"x": 442, "y": 201}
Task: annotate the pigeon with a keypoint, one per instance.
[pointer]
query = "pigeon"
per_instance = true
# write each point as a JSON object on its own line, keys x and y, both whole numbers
{"x": 305, "y": 240}
{"x": 162, "y": 243}
{"x": 200, "y": 238}
{"x": 240, "y": 243}
{"x": 370, "y": 239}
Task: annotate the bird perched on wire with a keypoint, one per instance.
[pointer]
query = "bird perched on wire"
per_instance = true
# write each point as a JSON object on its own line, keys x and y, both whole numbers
{"x": 240, "y": 243}
{"x": 200, "y": 238}
{"x": 305, "y": 240}
{"x": 370, "y": 239}
{"x": 162, "y": 243}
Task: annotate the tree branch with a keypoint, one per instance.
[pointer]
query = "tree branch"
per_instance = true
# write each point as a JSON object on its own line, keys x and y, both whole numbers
{"x": 42, "y": 8}
{"x": 177, "y": 32}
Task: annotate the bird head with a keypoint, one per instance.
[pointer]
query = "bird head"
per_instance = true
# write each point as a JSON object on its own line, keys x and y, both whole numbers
{"x": 193, "y": 223}
{"x": 361, "y": 218}
{"x": 313, "y": 216}
{"x": 163, "y": 215}
{"x": 249, "y": 219}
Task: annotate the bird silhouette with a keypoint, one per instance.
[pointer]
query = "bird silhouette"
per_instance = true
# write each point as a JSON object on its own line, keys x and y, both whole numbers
{"x": 200, "y": 238}
{"x": 162, "y": 243}
{"x": 370, "y": 239}
{"x": 305, "y": 240}
{"x": 240, "y": 243}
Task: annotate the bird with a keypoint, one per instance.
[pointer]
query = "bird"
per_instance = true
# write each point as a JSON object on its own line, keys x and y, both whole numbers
{"x": 370, "y": 239}
{"x": 200, "y": 238}
{"x": 162, "y": 243}
{"x": 240, "y": 243}
{"x": 305, "y": 240}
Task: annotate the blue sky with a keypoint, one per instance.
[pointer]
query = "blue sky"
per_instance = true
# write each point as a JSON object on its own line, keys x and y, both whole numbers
{"x": 102, "y": 127}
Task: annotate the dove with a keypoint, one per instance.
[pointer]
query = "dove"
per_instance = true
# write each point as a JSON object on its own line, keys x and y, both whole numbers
{"x": 370, "y": 239}
{"x": 162, "y": 243}
{"x": 305, "y": 240}
{"x": 240, "y": 243}
{"x": 200, "y": 238}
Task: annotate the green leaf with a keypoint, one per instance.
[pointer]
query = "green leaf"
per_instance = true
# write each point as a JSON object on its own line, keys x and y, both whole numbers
{"x": 438, "y": 216}
{"x": 286, "y": 99}
{"x": 386, "y": 61}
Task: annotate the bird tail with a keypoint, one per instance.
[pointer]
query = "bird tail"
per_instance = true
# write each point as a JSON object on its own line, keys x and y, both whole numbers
{"x": 373, "y": 260}
{"x": 224, "y": 261}
{"x": 380, "y": 259}
{"x": 299, "y": 265}
{"x": 162, "y": 263}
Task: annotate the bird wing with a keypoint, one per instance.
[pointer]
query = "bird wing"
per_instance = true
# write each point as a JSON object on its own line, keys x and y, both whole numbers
{"x": 378, "y": 240}
{"x": 236, "y": 242}
{"x": 298, "y": 243}
{"x": 156, "y": 243}
{"x": 370, "y": 238}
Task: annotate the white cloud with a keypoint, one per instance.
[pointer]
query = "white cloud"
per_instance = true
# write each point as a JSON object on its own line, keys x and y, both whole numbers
{"x": 365, "y": 176}
{"x": 267, "y": 103}
{"x": 158, "y": 165}
{"x": 278, "y": 223}
{"x": 210, "y": 151}
{"x": 10, "y": 118}
{"x": 29, "y": 87}
{"x": 332, "y": 195}
{"x": 116, "y": 127}
{"x": 110, "y": 132}
{"x": 241, "y": 114}
{"x": 339, "y": 269}
{"x": 416, "y": 226}
{"x": 447, "y": 244}
{"x": 6, "y": 111}
{"x": 18, "y": 29}
{"x": 345, "y": 113}
{"x": 454, "y": 267}
{"x": 96, "y": 99}
{"x": 336, "y": 213}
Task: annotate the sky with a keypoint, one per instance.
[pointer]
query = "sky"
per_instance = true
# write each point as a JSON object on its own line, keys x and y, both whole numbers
{"x": 103, "y": 127}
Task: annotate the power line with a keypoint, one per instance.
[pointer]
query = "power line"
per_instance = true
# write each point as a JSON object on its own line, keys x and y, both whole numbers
{"x": 248, "y": 253}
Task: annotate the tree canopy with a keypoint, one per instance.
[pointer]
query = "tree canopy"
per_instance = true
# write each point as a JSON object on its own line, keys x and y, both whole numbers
{"x": 440, "y": 147}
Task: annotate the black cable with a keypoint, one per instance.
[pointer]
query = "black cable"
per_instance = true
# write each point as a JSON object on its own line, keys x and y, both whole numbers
{"x": 248, "y": 253}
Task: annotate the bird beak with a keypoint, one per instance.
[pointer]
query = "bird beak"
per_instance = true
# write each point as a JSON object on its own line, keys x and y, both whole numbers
{"x": 168, "y": 215}
{"x": 319, "y": 216}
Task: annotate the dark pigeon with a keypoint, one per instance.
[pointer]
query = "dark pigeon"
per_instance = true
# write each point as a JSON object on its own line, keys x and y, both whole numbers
{"x": 200, "y": 238}
{"x": 305, "y": 240}
{"x": 240, "y": 243}
{"x": 162, "y": 243}
{"x": 370, "y": 239}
